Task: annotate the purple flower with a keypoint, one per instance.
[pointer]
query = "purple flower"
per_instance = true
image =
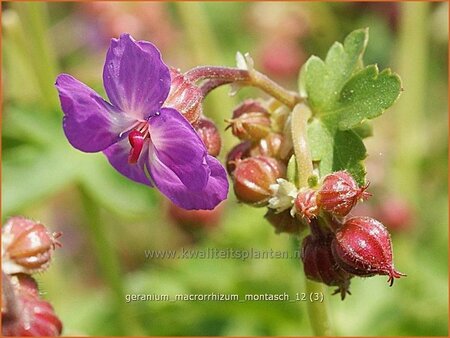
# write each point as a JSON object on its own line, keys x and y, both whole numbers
{"x": 142, "y": 138}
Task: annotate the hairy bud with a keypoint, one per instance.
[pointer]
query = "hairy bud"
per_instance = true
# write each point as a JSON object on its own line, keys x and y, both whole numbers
{"x": 184, "y": 96}
{"x": 27, "y": 246}
{"x": 34, "y": 316}
{"x": 251, "y": 121}
{"x": 362, "y": 246}
{"x": 253, "y": 177}
{"x": 340, "y": 193}
{"x": 320, "y": 265}
{"x": 207, "y": 130}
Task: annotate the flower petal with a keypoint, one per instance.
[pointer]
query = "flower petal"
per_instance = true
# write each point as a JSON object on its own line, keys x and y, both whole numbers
{"x": 135, "y": 78}
{"x": 169, "y": 184}
{"x": 176, "y": 144}
{"x": 90, "y": 123}
{"x": 117, "y": 155}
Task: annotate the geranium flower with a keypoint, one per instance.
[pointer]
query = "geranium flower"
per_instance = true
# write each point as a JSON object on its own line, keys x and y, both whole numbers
{"x": 142, "y": 138}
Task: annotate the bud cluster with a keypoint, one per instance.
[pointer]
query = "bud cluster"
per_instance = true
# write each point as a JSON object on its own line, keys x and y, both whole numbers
{"x": 340, "y": 248}
{"x": 27, "y": 248}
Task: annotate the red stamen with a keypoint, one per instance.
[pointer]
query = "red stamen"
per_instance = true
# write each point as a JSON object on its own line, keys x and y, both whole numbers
{"x": 136, "y": 139}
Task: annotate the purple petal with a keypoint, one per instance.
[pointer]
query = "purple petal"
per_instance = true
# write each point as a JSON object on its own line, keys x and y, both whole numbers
{"x": 169, "y": 184}
{"x": 90, "y": 123}
{"x": 135, "y": 78}
{"x": 117, "y": 155}
{"x": 176, "y": 144}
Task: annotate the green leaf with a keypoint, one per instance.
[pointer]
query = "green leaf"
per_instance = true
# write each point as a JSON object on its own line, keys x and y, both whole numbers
{"x": 343, "y": 95}
{"x": 322, "y": 81}
{"x": 365, "y": 96}
{"x": 336, "y": 151}
{"x": 292, "y": 171}
{"x": 364, "y": 129}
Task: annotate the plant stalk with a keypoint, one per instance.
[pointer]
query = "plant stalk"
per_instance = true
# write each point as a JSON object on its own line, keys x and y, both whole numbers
{"x": 244, "y": 77}
{"x": 317, "y": 311}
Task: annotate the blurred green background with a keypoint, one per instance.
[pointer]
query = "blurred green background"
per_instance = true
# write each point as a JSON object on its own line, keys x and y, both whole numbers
{"x": 109, "y": 221}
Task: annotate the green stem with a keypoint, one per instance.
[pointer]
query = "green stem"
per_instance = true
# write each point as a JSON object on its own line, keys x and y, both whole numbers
{"x": 317, "y": 311}
{"x": 299, "y": 121}
{"x": 109, "y": 265}
{"x": 245, "y": 78}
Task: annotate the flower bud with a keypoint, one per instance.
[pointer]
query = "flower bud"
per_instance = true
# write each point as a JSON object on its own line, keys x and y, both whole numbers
{"x": 184, "y": 96}
{"x": 267, "y": 146}
{"x": 305, "y": 204}
{"x": 238, "y": 152}
{"x": 27, "y": 246}
{"x": 362, "y": 246}
{"x": 251, "y": 121}
{"x": 210, "y": 136}
{"x": 320, "y": 266}
{"x": 340, "y": 193}
{"x": 284, "y": 222}
{"x": 34, "y": 317}
{"x": 253, "y": 177}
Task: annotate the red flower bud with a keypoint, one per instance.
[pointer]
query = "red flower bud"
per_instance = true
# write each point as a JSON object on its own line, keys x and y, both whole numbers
{"x": 305, "y": 204}
{"x": 251, "y": 121}
{"x": 253, "y": 177}
{"x": 320, "y": 266}
{"x": 237, "y": 153}
{"x": 340, "y": 193}
{"x": 284, "y": 222}
{"x": 28, "y": 246}
{"x": 34, "y": 316}
{"x": 268, "y": 146}
{"x": 210, "y": 136}
{"x": 184, "y": 96}
{"x": 362, "y": 246}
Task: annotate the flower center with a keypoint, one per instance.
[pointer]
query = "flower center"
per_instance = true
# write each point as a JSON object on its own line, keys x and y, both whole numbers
{"x": 137, "y": 139}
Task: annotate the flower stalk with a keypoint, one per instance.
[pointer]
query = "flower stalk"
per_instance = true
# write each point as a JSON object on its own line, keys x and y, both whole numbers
{"x": 243, "y": 77}
{"x": 317, "y": 311}
{"x": 299, "y": 119}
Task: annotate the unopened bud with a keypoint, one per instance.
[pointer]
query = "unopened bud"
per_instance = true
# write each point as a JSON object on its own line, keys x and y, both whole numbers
{"x": 320, "y": 266}
{"x": 27, "y": 246}
{"x": 251, "y": 121}
{"x": 340, "y": 193}
{"x": 362, "y": 246}
{"x": 238, "y": 152}
{"x": 305, "y": 204}
{"x": 254, "y": 176}
{"x": 210, "y": 136}
{"x": 35, "y": 317}
{"x": 184, "y": 96}
{"x": 267, "y": 146}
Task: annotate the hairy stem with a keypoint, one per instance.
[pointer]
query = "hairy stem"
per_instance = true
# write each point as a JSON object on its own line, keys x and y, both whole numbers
{"x": 244, "y": 77}
{"x": 299, "y": 120}
{"x": 317, "y": 311}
